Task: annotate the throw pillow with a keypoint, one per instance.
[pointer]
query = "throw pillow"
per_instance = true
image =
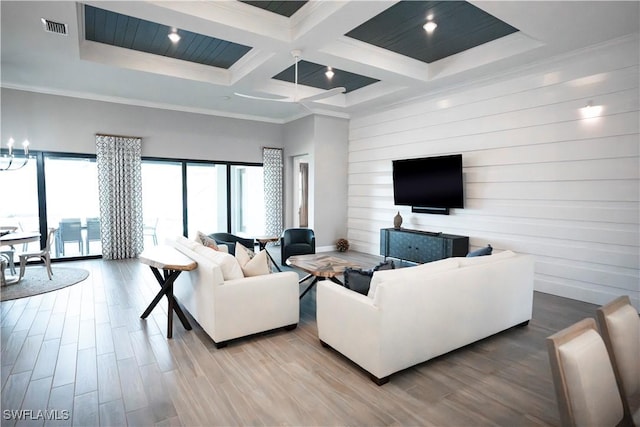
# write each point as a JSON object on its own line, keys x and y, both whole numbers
{"x": 481, "y": 252}
{"x": 256, "y": 266}
{"x": 357, "y": 280}
{"x": 360, "y": 280}
{"x": 206, "y": 240}
{"x": 244, "y": 250}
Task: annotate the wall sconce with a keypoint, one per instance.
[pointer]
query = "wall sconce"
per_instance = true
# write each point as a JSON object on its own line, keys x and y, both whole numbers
{"x": 591, "y": 111}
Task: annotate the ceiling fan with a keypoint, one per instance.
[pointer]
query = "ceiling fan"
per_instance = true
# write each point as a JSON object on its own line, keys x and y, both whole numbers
{"x": 326, "y": 94}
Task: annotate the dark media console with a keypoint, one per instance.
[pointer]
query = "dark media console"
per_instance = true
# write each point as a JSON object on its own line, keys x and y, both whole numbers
{"x": 421, "y": 246}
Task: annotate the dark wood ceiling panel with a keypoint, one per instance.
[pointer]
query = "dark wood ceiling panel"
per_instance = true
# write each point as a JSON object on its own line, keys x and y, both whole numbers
{"x": 284, "y": 8}
{"x": 312, "y": 74}
{"x": 124, "y": 31}
{"x": 461, "y": 26}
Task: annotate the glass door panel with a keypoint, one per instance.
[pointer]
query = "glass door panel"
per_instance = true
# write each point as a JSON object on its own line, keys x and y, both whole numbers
{"x": 206, "y": 198}
{"x": 161, "y": 200}
{"x": 72, "y": 204}
{"x": 247, "y": 200}
{"x": 19, "y": 208}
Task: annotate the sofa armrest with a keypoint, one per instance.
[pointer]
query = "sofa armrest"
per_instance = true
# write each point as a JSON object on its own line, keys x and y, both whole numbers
{"x": 350, "y": 323}
{"x": 253, "y": 304}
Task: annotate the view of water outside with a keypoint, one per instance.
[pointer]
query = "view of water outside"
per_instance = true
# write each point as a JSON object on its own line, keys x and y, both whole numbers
{"x": 73, "y": 206}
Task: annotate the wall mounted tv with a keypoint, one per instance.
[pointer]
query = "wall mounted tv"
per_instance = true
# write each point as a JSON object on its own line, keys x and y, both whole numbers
{"x": 429, "y": 184}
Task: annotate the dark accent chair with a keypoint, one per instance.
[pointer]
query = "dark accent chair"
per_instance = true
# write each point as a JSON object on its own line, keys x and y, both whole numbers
{"x": 230, "y": 240}
{"x": 297, "y": 241}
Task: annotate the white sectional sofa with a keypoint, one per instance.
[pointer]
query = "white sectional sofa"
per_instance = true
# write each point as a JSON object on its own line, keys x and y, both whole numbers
{"x": 234, "y": 308}
{"x": 414, "y": 314}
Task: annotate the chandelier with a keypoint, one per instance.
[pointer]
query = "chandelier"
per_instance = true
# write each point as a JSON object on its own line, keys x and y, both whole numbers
{"x": 14, "y": 161}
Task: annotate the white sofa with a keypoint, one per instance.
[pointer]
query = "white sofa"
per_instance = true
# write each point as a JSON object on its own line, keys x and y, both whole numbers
{"x": 234, "y": 308}
{"x": 414, "y": 314}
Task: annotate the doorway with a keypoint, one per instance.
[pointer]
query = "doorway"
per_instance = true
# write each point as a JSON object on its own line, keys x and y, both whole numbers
{"x": 301, "y": 191}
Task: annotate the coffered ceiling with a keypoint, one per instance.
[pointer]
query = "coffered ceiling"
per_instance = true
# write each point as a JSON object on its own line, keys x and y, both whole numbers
{"x": 118, "y": 51}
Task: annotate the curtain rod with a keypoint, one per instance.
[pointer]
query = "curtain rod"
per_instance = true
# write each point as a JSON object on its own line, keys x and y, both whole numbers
{"x": 272, "y": 148}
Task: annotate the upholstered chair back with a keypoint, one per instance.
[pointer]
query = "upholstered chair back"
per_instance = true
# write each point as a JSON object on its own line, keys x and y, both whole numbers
{"x": 620, "y": 328}
{"x": 583, "y": 377}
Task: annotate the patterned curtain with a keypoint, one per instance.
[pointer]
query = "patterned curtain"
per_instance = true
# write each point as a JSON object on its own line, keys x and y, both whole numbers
{"x": 273, "y": 183}
{"x": 120, "y": 191}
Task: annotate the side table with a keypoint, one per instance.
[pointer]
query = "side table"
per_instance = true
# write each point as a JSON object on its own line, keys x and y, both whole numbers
{"x": 262, "y": 244}
{"x": 172, "y": 262}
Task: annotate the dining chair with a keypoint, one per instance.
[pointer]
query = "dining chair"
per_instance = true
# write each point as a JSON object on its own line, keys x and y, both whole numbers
{"x": 43, "y": 255}
{"x": 93, "y": 232}
{"x": 69, "y": 230}
{"x": 9, "y": 253}
{"x": 583, "y": 377}
{"x": 150, "y": 229}
{"x": 620, "y": 328}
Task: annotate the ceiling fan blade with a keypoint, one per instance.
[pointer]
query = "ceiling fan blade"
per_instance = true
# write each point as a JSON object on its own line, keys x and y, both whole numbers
{"x": 262, "y": 98}
{"x": 323, "y": 95}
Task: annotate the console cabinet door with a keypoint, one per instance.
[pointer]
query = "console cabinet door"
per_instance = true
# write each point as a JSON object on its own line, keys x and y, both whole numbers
{"x": 419, "y": 246}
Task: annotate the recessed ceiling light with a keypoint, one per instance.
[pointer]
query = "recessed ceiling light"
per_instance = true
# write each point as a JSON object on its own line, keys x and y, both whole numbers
{"x": 329, "y": 73}
{"x": 430, "y": 26}
{"x": 174, "y": 36}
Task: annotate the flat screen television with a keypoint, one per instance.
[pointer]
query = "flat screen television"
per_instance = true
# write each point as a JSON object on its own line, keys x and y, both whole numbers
{"x": 429, "y": 182}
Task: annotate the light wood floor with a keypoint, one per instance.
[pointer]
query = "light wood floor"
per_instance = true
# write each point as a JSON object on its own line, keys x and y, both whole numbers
{"x": 85, "y": 350}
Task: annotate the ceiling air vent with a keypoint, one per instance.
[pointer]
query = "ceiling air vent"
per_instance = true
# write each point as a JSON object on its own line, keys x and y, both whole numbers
{"x": 54, "y": 27}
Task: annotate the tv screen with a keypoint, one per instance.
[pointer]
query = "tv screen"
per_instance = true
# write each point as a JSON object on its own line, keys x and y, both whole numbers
{"x": 434, "y": 182}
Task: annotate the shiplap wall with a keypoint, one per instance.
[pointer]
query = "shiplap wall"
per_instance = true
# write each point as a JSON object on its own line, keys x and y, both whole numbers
{"x": 539, "y": 179}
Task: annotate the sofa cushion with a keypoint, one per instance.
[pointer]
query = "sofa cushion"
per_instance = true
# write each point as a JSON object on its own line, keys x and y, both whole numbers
{"x": 481, "y": 252}
{"x": 411, "y": 273}
{"x": 228, "y": 264}
{"x": 252, "y": 264}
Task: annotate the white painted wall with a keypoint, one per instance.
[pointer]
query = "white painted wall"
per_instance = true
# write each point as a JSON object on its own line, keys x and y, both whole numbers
{"x": 325, "y": 141}
{"x": 539, "y": 178}
{"x": 65, "y": 124}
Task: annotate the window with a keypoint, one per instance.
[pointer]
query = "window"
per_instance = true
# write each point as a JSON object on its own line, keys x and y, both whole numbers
{"x": 20, "y": 205}
{"x": 177, "y": 196}
{"x": 72, "y": 205}
{"x": 161, "y": 200}
{"x": 206, "y": 198}
{"x": 247, "y": 200}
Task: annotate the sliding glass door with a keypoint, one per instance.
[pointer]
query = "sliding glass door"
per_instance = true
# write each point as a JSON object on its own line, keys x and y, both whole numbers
{"x": 206, "y": 198}
{"x": 179, "y": 197}
{"x": 72, "y": 205}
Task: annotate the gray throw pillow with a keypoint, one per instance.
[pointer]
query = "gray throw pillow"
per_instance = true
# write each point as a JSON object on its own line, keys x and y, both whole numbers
{"x": 481, "y": 252}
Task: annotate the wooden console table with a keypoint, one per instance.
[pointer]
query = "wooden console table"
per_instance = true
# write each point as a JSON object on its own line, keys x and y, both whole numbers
{"x": 172, "y": 262}
{"x": 421, "y": 246}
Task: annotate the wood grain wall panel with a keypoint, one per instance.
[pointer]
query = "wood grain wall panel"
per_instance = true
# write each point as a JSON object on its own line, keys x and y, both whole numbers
{"x": 539, "y": 178}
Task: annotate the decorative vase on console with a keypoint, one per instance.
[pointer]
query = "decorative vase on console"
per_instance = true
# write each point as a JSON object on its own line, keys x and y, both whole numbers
{"x": 397, "y": 221}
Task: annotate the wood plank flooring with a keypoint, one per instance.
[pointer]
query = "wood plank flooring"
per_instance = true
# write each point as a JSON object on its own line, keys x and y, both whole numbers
{"x": 83, "y": 353}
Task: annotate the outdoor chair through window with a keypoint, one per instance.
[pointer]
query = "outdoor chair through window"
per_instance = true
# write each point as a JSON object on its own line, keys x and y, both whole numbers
{"x": 69, "y": 231}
